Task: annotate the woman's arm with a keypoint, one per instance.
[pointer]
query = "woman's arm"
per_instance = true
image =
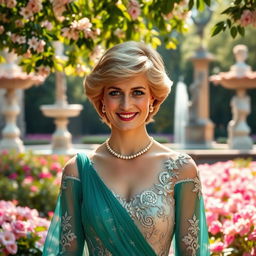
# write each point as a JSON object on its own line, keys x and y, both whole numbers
{"x": 191, "y": 233}
{"x": 66, "y": 235}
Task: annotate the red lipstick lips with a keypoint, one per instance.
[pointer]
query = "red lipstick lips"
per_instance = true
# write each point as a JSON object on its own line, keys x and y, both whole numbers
{"x": 127, "y": 116}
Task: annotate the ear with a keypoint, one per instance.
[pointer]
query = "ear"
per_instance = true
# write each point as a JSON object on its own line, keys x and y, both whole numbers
{"x": 152, "y": 100}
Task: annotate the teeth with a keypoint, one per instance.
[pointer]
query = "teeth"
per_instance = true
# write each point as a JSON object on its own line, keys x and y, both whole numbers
{"x": 127, "y": 116}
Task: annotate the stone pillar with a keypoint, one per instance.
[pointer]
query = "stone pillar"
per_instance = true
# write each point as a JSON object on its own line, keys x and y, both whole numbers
{"x": 238, "y": 129}
{"x": 20, "y": 118}
{"x": 200, "y": 130}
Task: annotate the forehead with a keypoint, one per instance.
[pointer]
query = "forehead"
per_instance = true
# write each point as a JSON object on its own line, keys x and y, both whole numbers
{"x": 129, "y": 83}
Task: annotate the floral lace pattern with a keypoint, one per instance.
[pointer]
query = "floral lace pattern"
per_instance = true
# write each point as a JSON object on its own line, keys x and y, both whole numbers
{"x": 67, "y": 236}
{"x": 153, "y": 209}
{"x": 191, "y": 239}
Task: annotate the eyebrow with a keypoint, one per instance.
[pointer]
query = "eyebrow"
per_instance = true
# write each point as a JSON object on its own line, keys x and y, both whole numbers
{"x": 133, "y": 88}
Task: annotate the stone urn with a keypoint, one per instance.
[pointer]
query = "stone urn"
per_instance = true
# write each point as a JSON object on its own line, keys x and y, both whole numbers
{"x": 240, "y": 78}
{"x": 12, "y": 78}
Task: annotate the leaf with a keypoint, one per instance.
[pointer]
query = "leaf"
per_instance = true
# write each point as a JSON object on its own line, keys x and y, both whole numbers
{"x": 208, "y": 2}
{"x": 237, "y": 2}
{"x": 229, "y": 23}
{"x": 217, "y": 28}
{"x": 190, "y": 4}
{"x": 240, "y": 30}
{"x": 200, "y": 5}
{"x": 233, "y": 32}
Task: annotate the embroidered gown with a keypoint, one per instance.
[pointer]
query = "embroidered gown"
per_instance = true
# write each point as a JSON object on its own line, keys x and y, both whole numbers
{"x": 90, "y": 219}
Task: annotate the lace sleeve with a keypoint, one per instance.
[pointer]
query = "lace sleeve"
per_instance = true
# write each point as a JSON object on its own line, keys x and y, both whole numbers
{"x": 66, "y": 235}
{"x": 191, "y": 233}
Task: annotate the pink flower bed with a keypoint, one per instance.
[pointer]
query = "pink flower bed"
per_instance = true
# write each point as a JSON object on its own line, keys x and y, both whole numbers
{"x": 22, "y": 231}
{"x": 230, "y": 200}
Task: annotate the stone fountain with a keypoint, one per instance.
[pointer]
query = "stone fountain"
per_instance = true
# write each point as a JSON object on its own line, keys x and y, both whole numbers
{"x": 239, "y": 78}
{"x": 199, "y": 128}
{"x": 12, "y": 78}
{"x": 61, "y": 110}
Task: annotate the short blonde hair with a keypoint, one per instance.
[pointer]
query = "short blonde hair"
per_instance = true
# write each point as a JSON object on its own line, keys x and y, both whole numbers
{"x": 122, "y": 62}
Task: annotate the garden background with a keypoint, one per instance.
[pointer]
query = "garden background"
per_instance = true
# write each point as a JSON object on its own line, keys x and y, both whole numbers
{"x": 29, "y": 183}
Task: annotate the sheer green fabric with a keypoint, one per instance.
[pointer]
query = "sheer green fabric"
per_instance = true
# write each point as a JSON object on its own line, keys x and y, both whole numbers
{"x": 191, "y": 233}
{"x": 89, "y": 220}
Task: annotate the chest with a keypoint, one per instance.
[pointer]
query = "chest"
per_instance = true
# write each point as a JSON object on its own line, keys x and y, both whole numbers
{"x": 128, "y": 179}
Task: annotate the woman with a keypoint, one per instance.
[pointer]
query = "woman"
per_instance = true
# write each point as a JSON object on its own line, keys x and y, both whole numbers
{"x": 132, "y": 196}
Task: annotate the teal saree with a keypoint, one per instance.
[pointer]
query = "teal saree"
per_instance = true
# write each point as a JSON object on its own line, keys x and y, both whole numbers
{"x": 89, "y": 220}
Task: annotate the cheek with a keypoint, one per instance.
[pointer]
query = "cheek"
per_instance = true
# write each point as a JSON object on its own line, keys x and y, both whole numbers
{"x": 110, "y": 103}
{"x": 143, "y": 103}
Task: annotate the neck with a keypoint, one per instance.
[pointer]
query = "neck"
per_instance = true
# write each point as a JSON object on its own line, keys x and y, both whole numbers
{"x": 129, "y": 142}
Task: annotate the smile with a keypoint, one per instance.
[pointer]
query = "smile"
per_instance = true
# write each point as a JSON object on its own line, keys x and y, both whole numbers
{"x": 126, "y": 116}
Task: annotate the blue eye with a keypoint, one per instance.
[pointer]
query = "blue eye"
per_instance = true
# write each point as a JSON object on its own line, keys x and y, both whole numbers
{"x": 138, "y": 92}
{"x": 114, "y": 93}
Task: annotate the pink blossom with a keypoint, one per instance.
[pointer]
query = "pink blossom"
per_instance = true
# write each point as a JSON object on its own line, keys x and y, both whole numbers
{"x": 45, "y": 175}
{"x": 81, "y": 69}
{"x": 70, "y": 33}
{"x": 33, "y": 43}
{"x": 215, "y": 227}
{"x": 246, "y": 18}
{"x": 7, "y": 237}
{"x": 12, "y": 248}
{"x": 134, "y": 9}
{"x": 228, "y": 240}
{"x": 43, "y": 71}
{"x": 19, "y": 228}
{"x": 47, "y": 24}
{"x": 119, "y": 33}
{"x": 56, "y": 167}
{"x": 11, "y": 3}
{"x": 40, "y": 46}
{"x": 35, "y": 6}
{"x": 217, "y": 247}
{"x": 28, "y": 180}
{"x": 34, "y": 188}
{"x": 19, "y": 23}
{"x": 252, "y": 236}
{"x": 13, "y": 176}
{"x": 97, "y": 53}
{"x": 27, "y": 54}
{"x": 26, "y": 168}
{"x": 1, "y": 30}
{"x": 243, "y": 227}
{"x": 82, "y": 24}
{"x": 26, "y": 13}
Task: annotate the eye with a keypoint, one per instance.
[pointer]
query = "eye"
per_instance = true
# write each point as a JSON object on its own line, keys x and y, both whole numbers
{"x": 114, "y": 93}
{"x": 138, "y": 92}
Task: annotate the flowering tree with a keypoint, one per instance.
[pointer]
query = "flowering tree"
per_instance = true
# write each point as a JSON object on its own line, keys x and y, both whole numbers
{"x": 241, "y": 13}
{"x": 29, "y": 27}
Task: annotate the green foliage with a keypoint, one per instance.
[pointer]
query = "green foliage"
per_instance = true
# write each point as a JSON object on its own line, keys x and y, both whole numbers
{"x": 83, "y": 25}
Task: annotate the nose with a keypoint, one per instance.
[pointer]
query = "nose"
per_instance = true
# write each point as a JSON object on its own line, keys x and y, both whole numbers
{"x": 125, "y": 102}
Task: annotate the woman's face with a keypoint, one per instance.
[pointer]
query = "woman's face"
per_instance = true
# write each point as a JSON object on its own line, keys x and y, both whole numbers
{"x": 127, "y": 103}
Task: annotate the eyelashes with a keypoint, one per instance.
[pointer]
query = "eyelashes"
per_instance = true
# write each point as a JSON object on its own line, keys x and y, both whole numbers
{"x": 135, "y": 93}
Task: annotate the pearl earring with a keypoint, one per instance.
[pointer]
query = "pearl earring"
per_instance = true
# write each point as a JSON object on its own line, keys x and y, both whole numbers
{"x": 103, "y": 109}
{"x": 151, "y": 108}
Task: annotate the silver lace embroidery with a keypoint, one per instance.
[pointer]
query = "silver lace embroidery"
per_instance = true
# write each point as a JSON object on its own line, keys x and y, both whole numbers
{"x": 191, "y": 239}
{"x": 67, "y": 236}
{"x": 64, "y": 181}
{"x": 153, "y": 209}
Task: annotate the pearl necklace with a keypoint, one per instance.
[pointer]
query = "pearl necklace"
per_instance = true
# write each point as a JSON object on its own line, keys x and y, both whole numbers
{"x": 125, "y": 157}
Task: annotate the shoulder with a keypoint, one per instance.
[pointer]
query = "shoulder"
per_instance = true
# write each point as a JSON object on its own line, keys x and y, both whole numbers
{"x": 180, "y": 162}
{"x": 188, "y": 169}
{"x": 70, "y": 168}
